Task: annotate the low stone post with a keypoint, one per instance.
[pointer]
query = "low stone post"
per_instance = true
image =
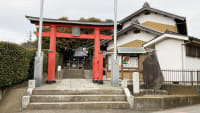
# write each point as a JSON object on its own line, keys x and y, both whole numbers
{"x": 124, "y": 83}
{"x": 25, "y": 101}
{"x": 136, "y": 83}
{"x": 59, "y": 70}
{"x": 31, "y": 84}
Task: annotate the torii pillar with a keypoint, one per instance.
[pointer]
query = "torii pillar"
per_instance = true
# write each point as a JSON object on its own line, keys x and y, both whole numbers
{"x": 52, "y": 55}
{"x": 97, "y": 61}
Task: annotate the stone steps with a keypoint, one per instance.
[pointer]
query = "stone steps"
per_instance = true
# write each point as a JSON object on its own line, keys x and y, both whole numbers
{"x": 80, "y": 105}
{"x": 76, "y": 98}
{"x": 79, "y": 92}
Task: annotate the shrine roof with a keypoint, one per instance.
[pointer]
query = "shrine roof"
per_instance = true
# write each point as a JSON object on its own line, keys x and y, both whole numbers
{"x": 71, "y": 22}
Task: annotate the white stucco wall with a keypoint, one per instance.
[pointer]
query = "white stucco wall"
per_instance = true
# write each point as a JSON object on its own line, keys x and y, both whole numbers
{"x": 169, "y": 53}
{"x": 130, "y": 36}
{"x": 172, "y": 55}
{"x": 153, "y": 18}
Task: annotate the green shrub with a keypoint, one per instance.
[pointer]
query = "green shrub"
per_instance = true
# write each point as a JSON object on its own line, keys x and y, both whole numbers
{"x": 15, "y": 64}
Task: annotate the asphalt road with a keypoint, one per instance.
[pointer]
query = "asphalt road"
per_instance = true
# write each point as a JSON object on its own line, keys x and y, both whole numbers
{"x": 190, "y": 109}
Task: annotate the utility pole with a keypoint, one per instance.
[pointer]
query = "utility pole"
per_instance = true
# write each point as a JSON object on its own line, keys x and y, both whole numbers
{"x": 115, "y": 60}
{"x": 38, "y": 67}
{"x": 40, "y": 27}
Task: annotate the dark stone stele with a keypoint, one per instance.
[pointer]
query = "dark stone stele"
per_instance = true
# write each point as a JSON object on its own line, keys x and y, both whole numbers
{"x": 152, "y": 74}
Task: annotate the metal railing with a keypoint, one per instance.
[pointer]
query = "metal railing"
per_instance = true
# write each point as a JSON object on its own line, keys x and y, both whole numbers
{"x": 181, "y": 77}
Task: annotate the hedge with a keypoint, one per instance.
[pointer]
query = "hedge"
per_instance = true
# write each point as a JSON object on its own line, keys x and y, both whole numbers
{"x": 17, "y": 63}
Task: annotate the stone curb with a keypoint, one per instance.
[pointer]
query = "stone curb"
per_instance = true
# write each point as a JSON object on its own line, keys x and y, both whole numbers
{"x": 26, "y": 98}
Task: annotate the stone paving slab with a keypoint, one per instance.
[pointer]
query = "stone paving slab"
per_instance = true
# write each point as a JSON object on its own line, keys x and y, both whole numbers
{"x": 75, "y": 84}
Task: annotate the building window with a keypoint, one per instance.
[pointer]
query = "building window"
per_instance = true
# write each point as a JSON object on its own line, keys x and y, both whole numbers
{"x": 192, "y": 51}
{"x": 198, "y": 52}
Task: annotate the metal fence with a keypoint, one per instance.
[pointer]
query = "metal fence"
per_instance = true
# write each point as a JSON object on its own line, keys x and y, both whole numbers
{"x": 181, "y": 77}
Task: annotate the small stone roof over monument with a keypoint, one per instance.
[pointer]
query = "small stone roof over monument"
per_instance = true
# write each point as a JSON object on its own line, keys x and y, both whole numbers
{"x": 146, "y": 7}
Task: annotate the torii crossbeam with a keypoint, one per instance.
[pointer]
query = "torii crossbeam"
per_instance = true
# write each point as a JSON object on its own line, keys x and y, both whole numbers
{"x": 96, "y": 36}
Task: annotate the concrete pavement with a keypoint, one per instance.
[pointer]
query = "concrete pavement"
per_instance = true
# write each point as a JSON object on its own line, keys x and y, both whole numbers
{"x": 75, "y": 84}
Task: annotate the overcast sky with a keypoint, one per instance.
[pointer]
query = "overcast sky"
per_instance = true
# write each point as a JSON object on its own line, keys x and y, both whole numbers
{"x": 14, "y": 27}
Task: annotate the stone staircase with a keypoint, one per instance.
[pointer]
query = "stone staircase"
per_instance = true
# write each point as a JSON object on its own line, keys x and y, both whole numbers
{"x": 78, "y": 99}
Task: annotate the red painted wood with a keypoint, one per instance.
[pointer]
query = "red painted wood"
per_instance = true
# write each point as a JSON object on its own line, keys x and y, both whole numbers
{"x": 44, "y": 34}
{"x": 96, "y": 52}
{"x": 69, "y": 35}
{"x": 52, "y": 55}
{"x": 105, "y": 37}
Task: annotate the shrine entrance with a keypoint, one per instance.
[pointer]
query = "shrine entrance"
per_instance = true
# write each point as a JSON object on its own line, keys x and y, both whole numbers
{"x": 76, "y": 26}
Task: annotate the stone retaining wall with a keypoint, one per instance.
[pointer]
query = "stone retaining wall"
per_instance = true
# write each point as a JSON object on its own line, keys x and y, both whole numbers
{"x": 181, "y": 90}
{"x": 154, "y": 102}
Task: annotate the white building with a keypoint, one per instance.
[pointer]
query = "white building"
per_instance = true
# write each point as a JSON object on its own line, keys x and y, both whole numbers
{"x": 152, "y": 29}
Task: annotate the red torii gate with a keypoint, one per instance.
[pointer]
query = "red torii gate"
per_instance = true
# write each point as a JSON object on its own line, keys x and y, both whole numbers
{"x": 53, "y": 34}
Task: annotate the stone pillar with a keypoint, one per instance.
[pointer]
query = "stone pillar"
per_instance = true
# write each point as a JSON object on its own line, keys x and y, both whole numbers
{"x": 136, "y": 83}
{"x": 124, "y": 83}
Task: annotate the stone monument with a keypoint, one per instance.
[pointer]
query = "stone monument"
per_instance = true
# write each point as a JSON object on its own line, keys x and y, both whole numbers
{"x": 152, "y": 74}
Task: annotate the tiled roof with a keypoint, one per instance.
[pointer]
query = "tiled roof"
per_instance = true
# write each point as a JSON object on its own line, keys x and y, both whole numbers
{"x": 146, "y": 7}
{"x": 75, "y": 22}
